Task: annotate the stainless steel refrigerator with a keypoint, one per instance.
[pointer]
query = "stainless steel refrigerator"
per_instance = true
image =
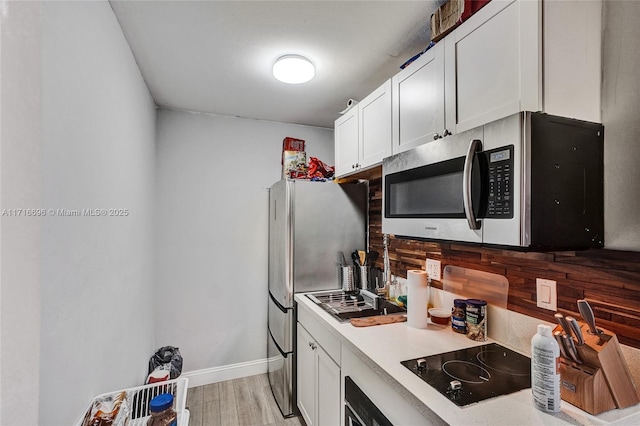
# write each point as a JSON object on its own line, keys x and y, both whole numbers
{"x": 309, "y": 222}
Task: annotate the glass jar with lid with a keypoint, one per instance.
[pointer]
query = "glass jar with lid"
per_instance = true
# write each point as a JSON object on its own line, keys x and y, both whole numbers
{"x": 162, "y": 412}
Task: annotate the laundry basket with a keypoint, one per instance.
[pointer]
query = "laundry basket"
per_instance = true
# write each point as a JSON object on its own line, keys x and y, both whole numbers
{"x": 138, "y": 399}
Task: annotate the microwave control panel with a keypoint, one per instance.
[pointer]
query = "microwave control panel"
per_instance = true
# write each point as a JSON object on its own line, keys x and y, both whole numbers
{"x": 500, "y": 189}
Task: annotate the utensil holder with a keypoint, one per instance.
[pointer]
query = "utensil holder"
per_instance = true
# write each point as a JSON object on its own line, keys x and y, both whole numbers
{"x": 364, "y": 277}
{"x": 604, "y": 374}
{"x": 346, "y": 276}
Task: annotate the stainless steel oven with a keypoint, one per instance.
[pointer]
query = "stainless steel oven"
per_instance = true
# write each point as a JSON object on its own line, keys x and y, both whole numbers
{"x": 528, "y": 180}
{"x": 358, "y": 408}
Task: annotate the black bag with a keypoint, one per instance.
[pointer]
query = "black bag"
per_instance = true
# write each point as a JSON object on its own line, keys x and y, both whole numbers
{"x": 167, "y": 358}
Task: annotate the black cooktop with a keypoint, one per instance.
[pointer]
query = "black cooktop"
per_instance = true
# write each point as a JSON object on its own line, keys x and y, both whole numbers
{"x": 474, "y": 374}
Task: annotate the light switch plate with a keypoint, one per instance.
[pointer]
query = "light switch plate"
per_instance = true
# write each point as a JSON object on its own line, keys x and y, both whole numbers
{"x": 546, "y": 294}
{"x": 433, "y": 269}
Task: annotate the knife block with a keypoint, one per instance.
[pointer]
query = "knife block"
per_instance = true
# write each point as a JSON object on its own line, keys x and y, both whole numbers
{"x": 603, "y": 381}
{"x": 585, "y": 387}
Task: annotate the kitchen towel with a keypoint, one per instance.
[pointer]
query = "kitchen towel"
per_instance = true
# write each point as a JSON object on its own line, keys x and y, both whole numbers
{"x": 417, "y": 298}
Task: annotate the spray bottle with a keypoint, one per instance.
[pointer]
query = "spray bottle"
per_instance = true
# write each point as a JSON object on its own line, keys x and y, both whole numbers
{"x": 545, "y": 370}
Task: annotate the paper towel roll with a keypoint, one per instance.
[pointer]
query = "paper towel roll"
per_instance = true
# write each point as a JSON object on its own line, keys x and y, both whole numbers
{"x": 417, "y": 298}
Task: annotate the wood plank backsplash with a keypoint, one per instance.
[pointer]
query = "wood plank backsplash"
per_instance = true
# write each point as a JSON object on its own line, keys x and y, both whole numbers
{"x": 608, "y": 279}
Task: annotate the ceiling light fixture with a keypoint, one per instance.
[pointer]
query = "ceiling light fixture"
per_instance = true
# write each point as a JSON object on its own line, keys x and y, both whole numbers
{"x": 293, "y": 69}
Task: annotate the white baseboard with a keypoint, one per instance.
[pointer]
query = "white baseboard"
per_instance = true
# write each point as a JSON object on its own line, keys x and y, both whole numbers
{"x": 225, "y": 372}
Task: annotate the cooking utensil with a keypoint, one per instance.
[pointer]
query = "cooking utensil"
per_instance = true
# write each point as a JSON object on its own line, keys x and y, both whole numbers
{"x": 575, "y": 327}
{"x": 355, "y": 258}
{"x": 587, "y": 315}
{"x": 341, "y": 259}
{"x": 363, "y": 257}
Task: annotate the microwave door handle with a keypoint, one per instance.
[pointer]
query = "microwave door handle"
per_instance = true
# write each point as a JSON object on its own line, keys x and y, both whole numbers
{"x": 474, "y": 146}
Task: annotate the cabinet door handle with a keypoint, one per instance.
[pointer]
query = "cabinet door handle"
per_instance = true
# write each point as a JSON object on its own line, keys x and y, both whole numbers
{"x": 436, "y": 136}
{"x": 312, "y": 345}
{"x": 446, "y": 133}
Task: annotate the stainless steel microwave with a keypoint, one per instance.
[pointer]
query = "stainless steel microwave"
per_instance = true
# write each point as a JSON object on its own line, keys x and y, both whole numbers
{"x": 529, "y": 180}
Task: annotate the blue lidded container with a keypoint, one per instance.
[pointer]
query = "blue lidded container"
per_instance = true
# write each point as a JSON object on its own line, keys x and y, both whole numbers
{"x": 458, "y": 316}
{"x": 162, "y": 412}
{"x": 161, "y": 402}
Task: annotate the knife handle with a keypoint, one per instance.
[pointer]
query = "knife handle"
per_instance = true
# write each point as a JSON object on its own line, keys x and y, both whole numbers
{"x": 563, "y": 323}
{"x": 558, "y": 336}
{"x": 571, "y": 348}
{"x": 575, "y": 327}
{"x": 587, "y": 315}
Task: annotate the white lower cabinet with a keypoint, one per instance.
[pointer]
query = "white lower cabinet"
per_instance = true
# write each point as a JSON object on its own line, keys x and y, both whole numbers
{"x": 306, "y": 382}
{"x": 328, "y": 388}
{"x": 318, "y": 382}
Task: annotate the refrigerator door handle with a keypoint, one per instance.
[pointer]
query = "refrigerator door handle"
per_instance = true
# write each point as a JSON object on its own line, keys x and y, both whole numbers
{"x": 278, "y": 305}
{"x": 281, "y": 325}
{"x": 280, "y": 372}
{"x": 277, "y": 346}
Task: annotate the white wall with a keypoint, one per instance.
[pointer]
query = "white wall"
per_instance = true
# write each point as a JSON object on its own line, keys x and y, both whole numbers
{"x": 212, "y": 217}
{"x": 20, "y": 187}
{"x": 620, "y": 116}
{"x": 87, "y": 281}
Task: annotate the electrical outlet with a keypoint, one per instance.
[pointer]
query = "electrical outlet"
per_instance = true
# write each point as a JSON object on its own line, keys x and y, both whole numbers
{"x": 546, "y": 294}
{"x": 433, "y": 269}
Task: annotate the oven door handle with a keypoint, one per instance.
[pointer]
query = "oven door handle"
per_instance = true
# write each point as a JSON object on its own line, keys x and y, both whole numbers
{"x": 474, "y": 146}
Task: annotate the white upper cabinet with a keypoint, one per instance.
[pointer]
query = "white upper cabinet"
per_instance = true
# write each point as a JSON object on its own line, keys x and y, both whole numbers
{"x": 363, "y": 134}
{"x": 524, "y": 55}
{"x": 572, "y": 65}
{"x": 418, "y": 101}
{"x": 511, "y": 56}
{"x": 375, "y": 126}
{"x": 493, "y": 64}
{"x": 346, "y": 142}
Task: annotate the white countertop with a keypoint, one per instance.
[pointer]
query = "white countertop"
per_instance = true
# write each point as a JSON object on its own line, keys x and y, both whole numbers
{"x": 383, "y": 347}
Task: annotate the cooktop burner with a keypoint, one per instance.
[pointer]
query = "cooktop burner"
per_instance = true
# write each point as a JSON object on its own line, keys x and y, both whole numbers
{"x": 471, "y": 375}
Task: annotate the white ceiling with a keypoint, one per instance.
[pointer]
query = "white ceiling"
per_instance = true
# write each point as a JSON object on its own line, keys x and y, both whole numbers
{"x": 216, "y": 56}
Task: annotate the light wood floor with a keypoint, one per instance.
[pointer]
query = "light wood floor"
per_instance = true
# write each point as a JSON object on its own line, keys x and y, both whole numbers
{"x": 241, "y": 402}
